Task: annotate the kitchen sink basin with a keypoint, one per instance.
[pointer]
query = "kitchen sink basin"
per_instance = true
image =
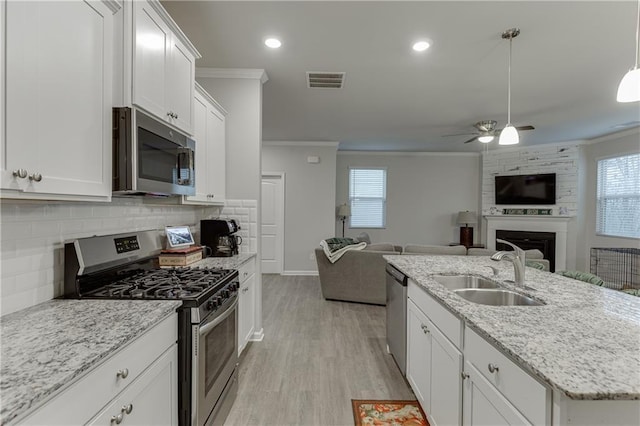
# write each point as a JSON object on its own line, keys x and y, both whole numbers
{"x": 455, "y": 282}
{"x": 496, "y": 297}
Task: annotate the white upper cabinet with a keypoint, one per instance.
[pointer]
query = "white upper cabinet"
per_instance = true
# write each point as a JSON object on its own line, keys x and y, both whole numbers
{"x": 210, "y": 135}
{"x": 163, "y": 66}
{"x": 57, "y": 99}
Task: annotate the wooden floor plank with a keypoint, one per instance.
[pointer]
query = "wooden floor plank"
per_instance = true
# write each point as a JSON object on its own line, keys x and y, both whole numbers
{"x": 316, "y": 356}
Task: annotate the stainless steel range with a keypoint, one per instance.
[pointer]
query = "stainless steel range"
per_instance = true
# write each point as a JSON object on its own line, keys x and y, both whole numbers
{"x": 125, "y": 266}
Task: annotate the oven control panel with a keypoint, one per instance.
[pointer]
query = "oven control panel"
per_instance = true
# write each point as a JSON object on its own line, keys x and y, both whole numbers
{"x": 127, "y": 244}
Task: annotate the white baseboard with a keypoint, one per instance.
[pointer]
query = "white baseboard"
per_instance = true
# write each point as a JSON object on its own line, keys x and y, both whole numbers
{"x": 257, "y": 336}
{"x": 307, "y": 273}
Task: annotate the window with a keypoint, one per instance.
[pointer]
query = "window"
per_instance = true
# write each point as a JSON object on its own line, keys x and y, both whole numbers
{"x": 367, "y": 197}
{"x": 618, "y": 196}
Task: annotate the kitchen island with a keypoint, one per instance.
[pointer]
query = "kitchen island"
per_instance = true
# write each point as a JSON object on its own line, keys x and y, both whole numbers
{"x": 583, "y": 343}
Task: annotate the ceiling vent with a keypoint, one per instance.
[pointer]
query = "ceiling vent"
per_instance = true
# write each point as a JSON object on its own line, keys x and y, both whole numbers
{"x": 325, "y": 80}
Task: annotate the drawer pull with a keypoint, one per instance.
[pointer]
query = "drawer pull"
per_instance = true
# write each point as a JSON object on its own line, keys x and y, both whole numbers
{"x": 36, "y": 177}
{"x": 127, "y": 409}
{"x": 21, "y": 173}
{"x": 123, "y": 373}
{"x": 493, "y": 368}
{"x": 425, "y": 329}
{"x": 464, "y": 375}
{"x": 117, "y": 419}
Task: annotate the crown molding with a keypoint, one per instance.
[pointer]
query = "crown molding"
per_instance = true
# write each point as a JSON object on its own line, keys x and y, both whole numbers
{"x": 327, "y": 144}
{"x": 175, "y": 29}
{"x": 249, "y": 73}
{"x": 208, "y": 97}
{"x": 615, "y": 135}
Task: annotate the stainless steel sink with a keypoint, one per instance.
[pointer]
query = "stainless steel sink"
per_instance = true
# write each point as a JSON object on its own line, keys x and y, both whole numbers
{"x": 496, "y": 297}
{"x": 455, "y": 282}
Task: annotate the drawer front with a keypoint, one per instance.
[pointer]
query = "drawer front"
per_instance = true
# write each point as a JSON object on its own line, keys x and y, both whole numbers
{"x": 247, "y": 269}
{"x": 448, "y": 323}
{"x": 527, "y": 394}
{"x": 82, "y": 400}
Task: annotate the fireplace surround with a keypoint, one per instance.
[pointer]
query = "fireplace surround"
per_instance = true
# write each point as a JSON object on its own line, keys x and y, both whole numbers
{"x": 557, "y": 225}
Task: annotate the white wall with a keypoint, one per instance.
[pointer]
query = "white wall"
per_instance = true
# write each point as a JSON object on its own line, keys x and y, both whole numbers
{"x": 425, "y": 192}
{"x": 34, "y": 233}
{"x": 240, "y": 93}
{"x": 309, "y": 196}
{"x": 622, "y": 143}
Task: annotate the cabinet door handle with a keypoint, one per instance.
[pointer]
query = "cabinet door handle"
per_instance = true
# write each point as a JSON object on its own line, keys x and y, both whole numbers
{"x": 464, "y": 375}
{"x": 36, "y": 177}
{"x": 20, "y": 173}
{"x": 492, "y": 368}
{"x": 123, "y": 373}
{"x": 127, "y": 409}
{"x": 175, "y": 116}
{"x": 117, "y": 419}
{"x": 425, "y": 329}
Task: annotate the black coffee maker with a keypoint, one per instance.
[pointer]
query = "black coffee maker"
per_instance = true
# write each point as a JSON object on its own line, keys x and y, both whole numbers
{"x": 218, "y": 234}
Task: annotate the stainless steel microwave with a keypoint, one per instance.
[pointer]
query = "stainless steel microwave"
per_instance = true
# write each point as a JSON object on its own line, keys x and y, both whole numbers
{"x": 150, "y": 158}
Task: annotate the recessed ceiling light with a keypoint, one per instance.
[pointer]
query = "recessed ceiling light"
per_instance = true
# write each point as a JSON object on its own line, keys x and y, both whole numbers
{"x": 273, "y": 43}
{"x": 421, "y": 46}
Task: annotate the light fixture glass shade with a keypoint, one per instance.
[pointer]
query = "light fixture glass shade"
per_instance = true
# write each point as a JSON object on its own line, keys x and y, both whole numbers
{"x": 509, "y": 136}
{"x": 485, "y": 139}
{"x": 629, "y": 88}
{"x": 466, "y": 217}
{"x": 344, "y": 210}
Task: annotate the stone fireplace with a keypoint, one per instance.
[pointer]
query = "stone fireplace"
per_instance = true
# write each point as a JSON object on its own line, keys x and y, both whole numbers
{"x": 545, "y": 233}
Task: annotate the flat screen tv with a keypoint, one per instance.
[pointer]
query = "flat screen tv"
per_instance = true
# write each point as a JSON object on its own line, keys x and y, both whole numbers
{"x": 526, "y": 189}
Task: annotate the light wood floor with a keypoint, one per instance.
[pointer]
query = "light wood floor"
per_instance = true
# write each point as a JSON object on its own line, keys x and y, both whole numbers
{"x": 316, "y": 356}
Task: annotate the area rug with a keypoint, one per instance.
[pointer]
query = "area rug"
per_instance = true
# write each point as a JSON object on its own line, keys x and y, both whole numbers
{"x": 388, "y": 413}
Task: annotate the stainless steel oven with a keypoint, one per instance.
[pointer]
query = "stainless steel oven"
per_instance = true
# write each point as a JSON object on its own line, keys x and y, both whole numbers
{"x": 149, "y": 157}
{"x": 214, "y": 360}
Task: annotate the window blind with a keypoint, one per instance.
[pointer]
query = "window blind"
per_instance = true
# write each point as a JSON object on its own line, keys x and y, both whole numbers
{"x": 368, "y": 197}
{"x": 618, "y": 196}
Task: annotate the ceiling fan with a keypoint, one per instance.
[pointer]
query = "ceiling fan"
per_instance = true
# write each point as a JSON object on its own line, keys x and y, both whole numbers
{"x": 487, "y": 131}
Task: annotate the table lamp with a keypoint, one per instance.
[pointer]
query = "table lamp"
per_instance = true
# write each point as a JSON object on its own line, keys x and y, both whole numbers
{"x": 466, "y": 232}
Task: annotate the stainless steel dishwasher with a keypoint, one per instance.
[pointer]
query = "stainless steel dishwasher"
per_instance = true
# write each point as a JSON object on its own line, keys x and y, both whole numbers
{"x": 397, "y": 316}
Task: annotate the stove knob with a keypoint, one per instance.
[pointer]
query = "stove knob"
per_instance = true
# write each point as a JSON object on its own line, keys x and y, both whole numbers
{"x": 211, "y": 304}
{"x": 219, "y": 300}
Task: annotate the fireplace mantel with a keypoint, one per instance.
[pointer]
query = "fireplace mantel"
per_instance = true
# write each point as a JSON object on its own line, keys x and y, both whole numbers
{"x": 535, "y": 223}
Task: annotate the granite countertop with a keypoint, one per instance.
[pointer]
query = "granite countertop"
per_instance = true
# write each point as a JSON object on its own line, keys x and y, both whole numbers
{"x": 584, "y": 342}
{"x": 49, "y": 346}
{"x": 233, "y": 262}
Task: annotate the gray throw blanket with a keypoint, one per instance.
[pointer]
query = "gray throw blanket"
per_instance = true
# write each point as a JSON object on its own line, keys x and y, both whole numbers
{"x": 334, "y": 248}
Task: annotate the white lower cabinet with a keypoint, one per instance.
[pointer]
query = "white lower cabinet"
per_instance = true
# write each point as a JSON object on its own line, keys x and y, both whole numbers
{"x": 434, "y": 365}
{"x": 137, "y": 385}
{"x": 484, "y": 405}
{"x": 523, "y": 393}
{"x": 246, "y": 303}
{"x": 150, "y": 400}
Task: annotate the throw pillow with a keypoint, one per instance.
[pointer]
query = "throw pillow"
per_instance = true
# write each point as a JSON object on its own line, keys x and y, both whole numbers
{"x": 582, "y": 276}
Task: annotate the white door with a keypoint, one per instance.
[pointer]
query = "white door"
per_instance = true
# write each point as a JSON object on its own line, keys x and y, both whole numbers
{"x": 272, "y": 223}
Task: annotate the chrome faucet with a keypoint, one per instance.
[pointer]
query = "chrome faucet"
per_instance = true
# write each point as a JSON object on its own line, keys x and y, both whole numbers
{"x": 516, "y": 257}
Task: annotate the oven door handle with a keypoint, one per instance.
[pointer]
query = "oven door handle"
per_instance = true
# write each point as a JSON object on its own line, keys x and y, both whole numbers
{"x": 209, "y": 325}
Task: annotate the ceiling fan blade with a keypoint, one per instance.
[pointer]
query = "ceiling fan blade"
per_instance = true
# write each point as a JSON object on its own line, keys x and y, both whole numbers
{"x": 472, "y": 139}
{"x": 459, "y": 134}
{"x": 517, "y": 128}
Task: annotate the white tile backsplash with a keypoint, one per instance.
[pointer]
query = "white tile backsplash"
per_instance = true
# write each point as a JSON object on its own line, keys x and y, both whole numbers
{"x": 245, "y": 212}
{"x": 32, "y": 237}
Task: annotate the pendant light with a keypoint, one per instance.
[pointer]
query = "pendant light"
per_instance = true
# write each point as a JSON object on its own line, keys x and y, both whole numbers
{"x": 509, "y": 135}
{"x": 629, "y": 88}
